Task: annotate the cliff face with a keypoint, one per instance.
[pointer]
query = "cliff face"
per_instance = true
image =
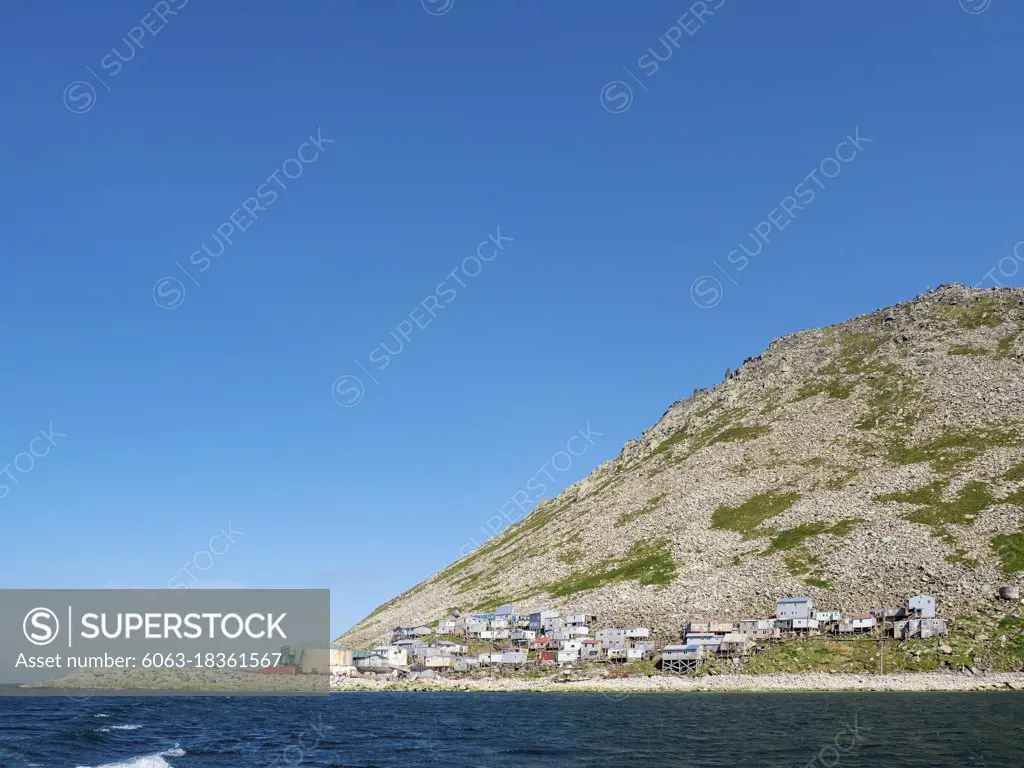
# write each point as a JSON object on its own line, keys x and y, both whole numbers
{"x": 857, "y": 464}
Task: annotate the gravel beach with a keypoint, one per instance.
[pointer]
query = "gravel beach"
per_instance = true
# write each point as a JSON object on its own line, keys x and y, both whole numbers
{"x": 810, "y": 681}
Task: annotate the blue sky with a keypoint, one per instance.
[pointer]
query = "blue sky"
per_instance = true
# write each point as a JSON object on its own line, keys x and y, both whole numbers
{"x": 183, "y": 406}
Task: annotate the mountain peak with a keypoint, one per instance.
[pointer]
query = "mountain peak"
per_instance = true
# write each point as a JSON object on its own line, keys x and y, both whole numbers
{"x": 856, "y": 464}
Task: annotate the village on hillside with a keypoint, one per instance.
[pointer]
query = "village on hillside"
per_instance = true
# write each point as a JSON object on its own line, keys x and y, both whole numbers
{"x": 506, "y": 642}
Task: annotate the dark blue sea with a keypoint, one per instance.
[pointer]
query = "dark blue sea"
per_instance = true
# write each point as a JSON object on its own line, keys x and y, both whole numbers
{"x": 478, "y": 729}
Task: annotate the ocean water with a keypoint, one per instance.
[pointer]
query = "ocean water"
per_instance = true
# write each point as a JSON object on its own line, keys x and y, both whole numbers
{"x": 478, "y": 729}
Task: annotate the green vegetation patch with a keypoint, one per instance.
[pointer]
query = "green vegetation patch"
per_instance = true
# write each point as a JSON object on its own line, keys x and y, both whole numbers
{"x": 986, "y": 312}
{"x": 959, "y": 557}
{"x": 740, "y": 434}
{"x": 967, "y": 351}
{"x": 724, "y": 429}
{"x": 839, "y": 481}
{"x": 1005, "y": 346}
{"x": 834, "y": 388}
{"x": 570, "y": 556}
{"x": 647, "y": 562}
{"x": 1015, "y": 473}
{"x": 753, "y": 512}
{"x": 1016, "y": 498}
{"x": 1010, "y": 548}
{"x": 954, "y": 447}
{"x": 855, "y": 352}
{"x": 934, "y": 510}
{"x": 630, "y": 516}
{"x": 666, "y": 444}
{"x": 802, "y": 564}
{"x": 795, "y": 537}
{"x": 893, "y": 399}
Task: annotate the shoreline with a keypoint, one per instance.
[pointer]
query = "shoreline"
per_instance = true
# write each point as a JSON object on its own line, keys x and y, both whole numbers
{"x": 782, "y": 682}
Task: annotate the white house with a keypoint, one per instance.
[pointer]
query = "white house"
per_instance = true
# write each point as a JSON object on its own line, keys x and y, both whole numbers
{"x": 475, "y": 626}
{"x": 441, "y": 662}
{"x": 923, "y": 606}
{"x": 581, "y": 620}
{"x": 570, "y": 651}
{"x": 611, "y": 637}
{"x": 553, "y": 623}
{"x": 448, "y": 646}
{"x": 383, "y": 657}
{"x": 794, "y": 608}
{"x": 590, "y": 650}
{"x": 522, "y": 636}
{"x": 538, "y": 619}
{"x": 859, "y": 622}
{"x": 393, "y": 654}
{"x": 508, "y": 656}
{"x": 709, "y": 640}
{"x": 828, "y": 616}
{"x": 682, "y": 658}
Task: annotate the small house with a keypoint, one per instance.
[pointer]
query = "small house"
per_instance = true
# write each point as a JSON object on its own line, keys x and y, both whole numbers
{"x": 581, "y": 620}
{"x": 759, "y": 628}
{"x": 718, "y": 626}
{"x": 553, "y": 623}
{"x": 922, "y": 606}
{"x": 708, "y": 640}
{"x": 441, "y": 662}
{"x": 456, "y": 649}
{"x": 828, "y": 617}
{"x": 858, "y": 622}
{"x": 569, "y": 653}
{"x": 393, "y": 654}
{"x": 736, "y": 644}
{"x": 547, "y": 657}
{"x": 465, "y": 664}
{"x": 803, "y": 625}
{"x": 522, "y": 636}
{"x": 612, "y": 637}
{"x": 511, "y": 656}
{"x": 538, "y": 619}
{"x": 794, "y": 608}
{"x": 382, "y": 658}
{"x": 682, "y": 658}
{"x": 910, "y": 629}
{"x": 590, "y": 650}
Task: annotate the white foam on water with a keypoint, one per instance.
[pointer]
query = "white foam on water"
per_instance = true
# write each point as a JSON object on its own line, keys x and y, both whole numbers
{"x": 120, "y": 728}
{"x": 146, "y": 761}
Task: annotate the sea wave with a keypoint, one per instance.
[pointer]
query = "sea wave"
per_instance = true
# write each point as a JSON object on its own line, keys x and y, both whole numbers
{"x": 121, "y": 728}
{"x": 146, "y": 761}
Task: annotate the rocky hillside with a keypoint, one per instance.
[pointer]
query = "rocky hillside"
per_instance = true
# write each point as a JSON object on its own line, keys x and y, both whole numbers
{"x": 856, "y": 464}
